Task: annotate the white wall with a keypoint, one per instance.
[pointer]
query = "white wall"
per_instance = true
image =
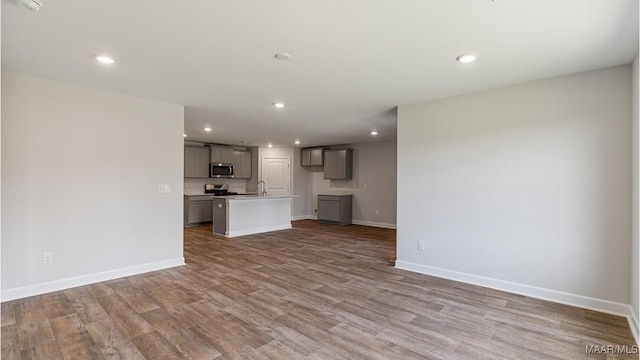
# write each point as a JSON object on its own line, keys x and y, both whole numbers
{"x": 525, "y": 188}
{"x": 373, "y": 184}
{"x": 275, "y": 152}
{"x": 80, "y": 175}
{"x": 264, "y": 152}
{"x": 302, "y": 187}
{"x": 0, "y": 182}
{"x": 635, "y": 248}
{"x": 281, "y": 152}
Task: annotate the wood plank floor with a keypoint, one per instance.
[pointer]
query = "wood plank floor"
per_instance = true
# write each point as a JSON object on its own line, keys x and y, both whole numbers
{"x": 313, "y": 292}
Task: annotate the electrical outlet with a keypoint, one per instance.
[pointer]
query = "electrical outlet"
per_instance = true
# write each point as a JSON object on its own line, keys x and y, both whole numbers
{"x": 315, "y": 210}
{"x": 377, "y": 212}
{"x": 164, "y": 188}
{"x": 47, "y": 258}
{"x": 420, "y": 245}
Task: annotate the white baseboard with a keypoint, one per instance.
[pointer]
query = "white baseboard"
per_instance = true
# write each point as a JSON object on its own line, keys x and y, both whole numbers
{"x": 374, "y": 224}
{"x": 304, "y": 217}
{"x": 606, "y": 306}
{"x": 633, "y": 324}
{"x": 56, "y": 285}
{"x": 258, "y": 230}
{"x": 356, "y": 222}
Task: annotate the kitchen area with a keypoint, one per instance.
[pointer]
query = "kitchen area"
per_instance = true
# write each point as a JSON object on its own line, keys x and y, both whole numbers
{"x": 219, "y": 188}
{"x": 232, "y": 188}
{"x": 200, "y": 185}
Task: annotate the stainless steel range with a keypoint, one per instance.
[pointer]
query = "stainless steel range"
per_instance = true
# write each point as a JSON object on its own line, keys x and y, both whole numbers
{"x": 218, "y": 189}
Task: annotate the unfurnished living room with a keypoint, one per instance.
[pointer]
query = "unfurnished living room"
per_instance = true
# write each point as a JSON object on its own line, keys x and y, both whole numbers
{"x": 283, "y": 179}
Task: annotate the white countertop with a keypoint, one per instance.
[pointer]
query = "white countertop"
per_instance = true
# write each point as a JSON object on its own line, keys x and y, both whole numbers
{"x": 336, "y": 193}
{"x": 201, "y": 193}
{"x": 255, "y": 197}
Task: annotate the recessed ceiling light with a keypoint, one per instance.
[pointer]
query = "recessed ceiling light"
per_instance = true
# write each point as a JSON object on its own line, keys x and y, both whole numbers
{"x": 466, "y": 58}
{"x": 282, "y": 56}
{"x": 278, "y": 105}
{"x": 184, "y": 135}
{"x": 207, "y": 129}
{"x": 297, "y": 142}
{"x": 270, "y": 145}
{"x": 374, "y": 133}
{"x": 104, "y": 59}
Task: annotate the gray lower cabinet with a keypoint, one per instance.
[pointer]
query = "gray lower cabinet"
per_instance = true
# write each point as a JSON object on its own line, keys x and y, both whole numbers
{"x": 338, "y": 164}
{"x": 242, "y": 164}
{"x": 335, "y": 209}
{"x": 196, "y": 162}
{"x": 219, "y": 216}
{"x": 197, "y": 209}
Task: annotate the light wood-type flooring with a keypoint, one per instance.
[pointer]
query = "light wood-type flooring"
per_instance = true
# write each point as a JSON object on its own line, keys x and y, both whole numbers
{"x": 313, "y": 292}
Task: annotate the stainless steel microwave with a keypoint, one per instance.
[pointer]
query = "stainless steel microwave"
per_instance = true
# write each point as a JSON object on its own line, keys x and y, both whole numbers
{"x": 221, "y": 170}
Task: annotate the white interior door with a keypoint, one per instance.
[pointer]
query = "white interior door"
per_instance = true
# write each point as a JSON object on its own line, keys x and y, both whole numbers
{"x": 276, "y": 173}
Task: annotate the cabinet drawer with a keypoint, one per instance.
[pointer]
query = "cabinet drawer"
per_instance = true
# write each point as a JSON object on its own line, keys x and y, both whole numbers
{"x": 328, "y": 198}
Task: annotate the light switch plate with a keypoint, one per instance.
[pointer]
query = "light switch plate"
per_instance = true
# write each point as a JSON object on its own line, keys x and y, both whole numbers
{"x": 164, "y": 188}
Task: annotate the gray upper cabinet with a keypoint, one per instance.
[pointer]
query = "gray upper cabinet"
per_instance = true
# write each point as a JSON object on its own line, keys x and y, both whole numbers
{"x": 317, "y": 157}
{"x": 221, "y": 154}
{"x": 196, "y": 162}
{"x": 242, "y": 164}
{"x": 311, "y": 157}
{"x": 305, "y": 157}
{"x": 338, "y": 164}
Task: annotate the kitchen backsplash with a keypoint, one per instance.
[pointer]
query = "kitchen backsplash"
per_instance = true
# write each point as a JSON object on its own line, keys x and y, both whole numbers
{"x": 193, "y": 186}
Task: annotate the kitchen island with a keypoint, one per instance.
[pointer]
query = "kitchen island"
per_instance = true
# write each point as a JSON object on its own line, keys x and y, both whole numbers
{"x": 250, "y": 214}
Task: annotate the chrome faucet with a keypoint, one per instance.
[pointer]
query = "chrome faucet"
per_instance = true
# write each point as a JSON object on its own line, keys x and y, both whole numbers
{"x": 264, "y": 191}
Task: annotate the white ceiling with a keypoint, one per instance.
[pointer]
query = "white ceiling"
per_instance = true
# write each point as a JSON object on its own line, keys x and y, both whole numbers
{"x": 352, "y": 61}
